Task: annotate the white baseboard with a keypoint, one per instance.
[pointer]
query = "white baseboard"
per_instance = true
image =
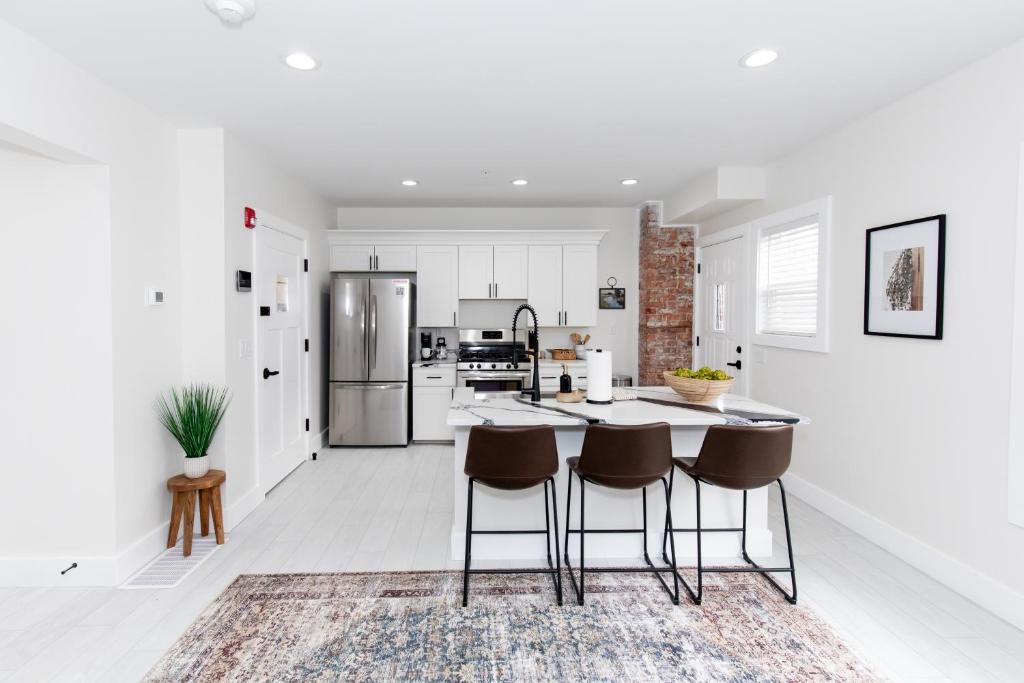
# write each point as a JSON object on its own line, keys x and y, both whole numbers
{"x": 235, "y": 512}
{"x": 319, "y": 441}
{"x": 977, "y": 587}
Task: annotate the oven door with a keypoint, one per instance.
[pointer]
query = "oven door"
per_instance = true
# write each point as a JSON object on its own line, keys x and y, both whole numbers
{"x": 495, "y": 384}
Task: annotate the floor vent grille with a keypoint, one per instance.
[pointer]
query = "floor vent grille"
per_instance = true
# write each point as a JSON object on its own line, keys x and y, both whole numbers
{"x": 169, "y": 568}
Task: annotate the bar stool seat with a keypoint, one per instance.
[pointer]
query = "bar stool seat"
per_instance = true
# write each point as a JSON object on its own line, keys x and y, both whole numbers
{"x": 626, "y": 482}
{"x": 513, "y": 459}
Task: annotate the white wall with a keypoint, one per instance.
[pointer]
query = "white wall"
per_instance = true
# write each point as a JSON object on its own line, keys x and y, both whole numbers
{"x": 914, "y": 433}
{"x": 617, "y": 256}
{"x": 127, "y": 353}
{"x": 56, "y": 406}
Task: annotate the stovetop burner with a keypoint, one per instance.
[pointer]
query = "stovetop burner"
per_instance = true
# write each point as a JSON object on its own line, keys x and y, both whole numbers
{"x": 488, "y": 349}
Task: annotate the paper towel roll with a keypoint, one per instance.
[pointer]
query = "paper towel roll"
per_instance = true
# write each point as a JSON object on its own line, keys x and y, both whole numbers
{"x": 599, "y": 376}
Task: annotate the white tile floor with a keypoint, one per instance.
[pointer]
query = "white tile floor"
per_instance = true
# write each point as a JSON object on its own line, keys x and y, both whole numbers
{"x": 391, "y": 509}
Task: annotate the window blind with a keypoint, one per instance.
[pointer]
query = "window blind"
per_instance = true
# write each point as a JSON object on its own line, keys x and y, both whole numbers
{"x": 787, "y": 272}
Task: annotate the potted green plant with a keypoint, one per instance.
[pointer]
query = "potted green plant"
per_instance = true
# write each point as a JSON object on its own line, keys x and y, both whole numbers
{"x": 192, "y": 414}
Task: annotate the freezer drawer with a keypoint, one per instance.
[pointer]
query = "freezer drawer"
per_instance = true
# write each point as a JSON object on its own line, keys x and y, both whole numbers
{"x": 369, "y": 414}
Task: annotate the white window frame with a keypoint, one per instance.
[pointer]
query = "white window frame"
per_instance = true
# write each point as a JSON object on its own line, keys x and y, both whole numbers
{"x": 819, "y": 210}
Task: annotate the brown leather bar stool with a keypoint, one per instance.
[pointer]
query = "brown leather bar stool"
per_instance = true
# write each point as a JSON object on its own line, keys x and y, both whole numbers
{"x": 512, "y": 459}
{"x": 742, "y": 459}
{"x": 622, "y": 457}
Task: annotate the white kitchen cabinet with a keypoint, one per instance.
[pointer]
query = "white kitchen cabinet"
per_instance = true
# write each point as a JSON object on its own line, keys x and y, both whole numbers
{"x": 511, "y": 267}
{"x": 437, "y": 286}
{"x": 433, "y": 389}
{"x": 476, "y": 272}
{"x": 351, "y": 257}
{"x": 493, "y": 272}
{"x": 367, "y": 257}
{"x": 394, "y": 258}
{"x": 579, "y": 285}
{"x": 544, "y": 288}
{"x": 563, "y": 285}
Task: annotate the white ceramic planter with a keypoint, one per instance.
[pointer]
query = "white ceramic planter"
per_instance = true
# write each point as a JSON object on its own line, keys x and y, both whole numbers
{"x": 197, "y": 467}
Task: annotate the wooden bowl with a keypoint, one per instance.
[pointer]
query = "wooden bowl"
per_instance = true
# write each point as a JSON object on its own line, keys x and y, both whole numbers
{"x": 698, "y": 390}
{"x": 570, "y": 397}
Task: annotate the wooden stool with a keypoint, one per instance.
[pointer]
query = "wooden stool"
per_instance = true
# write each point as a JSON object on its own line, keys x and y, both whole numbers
{"x": 184, "y": 489}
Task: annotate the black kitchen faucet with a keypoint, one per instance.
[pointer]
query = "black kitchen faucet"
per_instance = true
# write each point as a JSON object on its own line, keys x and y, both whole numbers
{"x": 535, "y": 393}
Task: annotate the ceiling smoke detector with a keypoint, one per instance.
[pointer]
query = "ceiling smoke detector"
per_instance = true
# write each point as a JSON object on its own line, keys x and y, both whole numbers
{"x": 232, "y": 13}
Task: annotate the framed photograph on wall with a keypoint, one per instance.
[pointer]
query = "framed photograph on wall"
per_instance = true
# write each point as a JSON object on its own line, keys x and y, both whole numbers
{"x": 611, "y": 297}
{"x": 903, "y": 278}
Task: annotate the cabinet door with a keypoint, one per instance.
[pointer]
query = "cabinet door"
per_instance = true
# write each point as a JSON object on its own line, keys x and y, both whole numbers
{"x": 579, "y": 285}
{"x": 349, "y": 258}
{"x": 511, "y": 271}
{"x": 430, "y": 414}
{"x": 437, "y": 284}
{"x": 544, "y": 290}
{"x": 395, "y": 258}
{"x": 476, "y": 272}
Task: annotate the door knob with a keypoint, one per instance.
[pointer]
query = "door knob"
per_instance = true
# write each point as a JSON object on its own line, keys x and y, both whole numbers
{"x": 268, "y": 373}
{"x": 738, "y": 365}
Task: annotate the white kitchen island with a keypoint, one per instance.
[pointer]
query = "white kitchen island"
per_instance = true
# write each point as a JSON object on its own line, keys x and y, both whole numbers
{"x": 609, "y": 508}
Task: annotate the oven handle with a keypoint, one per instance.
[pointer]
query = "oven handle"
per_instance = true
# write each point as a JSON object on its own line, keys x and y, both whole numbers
{"x": 492, "y": 375}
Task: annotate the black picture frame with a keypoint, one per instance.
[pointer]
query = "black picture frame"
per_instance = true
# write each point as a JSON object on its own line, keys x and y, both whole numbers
{"x": 607, "y": 295}
{"x": 940, "y": 273}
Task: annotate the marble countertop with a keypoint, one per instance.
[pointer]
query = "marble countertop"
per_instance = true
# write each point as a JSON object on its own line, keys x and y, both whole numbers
{"x": 425, "y": 363}
{"x": 729, "y": 409}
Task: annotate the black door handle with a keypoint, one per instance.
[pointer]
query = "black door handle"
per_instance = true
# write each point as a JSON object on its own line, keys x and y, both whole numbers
{"x": 738, "y": 365}
{"x": 267, "y": 373}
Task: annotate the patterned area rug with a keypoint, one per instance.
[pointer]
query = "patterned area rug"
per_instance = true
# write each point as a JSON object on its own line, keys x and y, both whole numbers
{"x": 411, "y": 627}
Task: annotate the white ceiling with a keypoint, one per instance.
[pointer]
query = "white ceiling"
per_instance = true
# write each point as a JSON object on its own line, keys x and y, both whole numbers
{"x": 572, "y": 94}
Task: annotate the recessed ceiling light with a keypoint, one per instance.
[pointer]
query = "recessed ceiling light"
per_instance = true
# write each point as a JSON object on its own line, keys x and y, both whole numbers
{"x": 410, "y": 183}
{"x": 300, "y": 61}
{"x": 629, "y": 181}
{"x": 520, "y": 181}
{"x": 762, "y": 57}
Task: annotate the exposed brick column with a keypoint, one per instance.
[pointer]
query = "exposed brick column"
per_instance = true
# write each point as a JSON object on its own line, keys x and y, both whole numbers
{"x": 666, "y": 297}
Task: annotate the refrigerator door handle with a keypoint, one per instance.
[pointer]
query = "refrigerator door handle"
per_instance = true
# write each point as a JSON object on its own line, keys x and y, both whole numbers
{"x": 373, "y": 331}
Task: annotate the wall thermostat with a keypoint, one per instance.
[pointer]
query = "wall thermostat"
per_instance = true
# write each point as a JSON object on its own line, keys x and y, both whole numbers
{"x": 154, "y": 296}
{"x": 243, "y": 280}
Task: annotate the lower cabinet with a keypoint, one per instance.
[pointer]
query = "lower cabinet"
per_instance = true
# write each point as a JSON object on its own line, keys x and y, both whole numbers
{"x": 430, "y": 413}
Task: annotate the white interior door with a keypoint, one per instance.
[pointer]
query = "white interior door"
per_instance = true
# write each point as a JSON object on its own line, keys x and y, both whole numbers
{"x": 281, "y": 372}
{"x": 723, "y": 322}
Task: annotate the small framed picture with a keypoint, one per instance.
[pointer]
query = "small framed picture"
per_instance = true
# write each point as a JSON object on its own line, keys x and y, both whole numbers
{"x": 903, "y": 278}
{"x": 611, "y": 297}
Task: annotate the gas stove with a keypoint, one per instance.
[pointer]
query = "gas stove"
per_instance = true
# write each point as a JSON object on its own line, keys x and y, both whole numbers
{"x": 489, "y": 350}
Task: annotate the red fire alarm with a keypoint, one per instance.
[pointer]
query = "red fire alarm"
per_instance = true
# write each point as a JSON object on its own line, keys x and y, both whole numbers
{"x": 250, "y": 218}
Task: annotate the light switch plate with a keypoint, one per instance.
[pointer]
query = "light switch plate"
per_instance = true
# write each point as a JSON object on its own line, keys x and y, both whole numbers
{"x": 154, "y": 296}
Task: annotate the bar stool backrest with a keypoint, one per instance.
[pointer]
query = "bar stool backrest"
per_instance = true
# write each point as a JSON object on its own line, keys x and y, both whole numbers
{"x": 742, "y": 458}
{"x": 511, "y": 457}
{"x": 626, "y": 456}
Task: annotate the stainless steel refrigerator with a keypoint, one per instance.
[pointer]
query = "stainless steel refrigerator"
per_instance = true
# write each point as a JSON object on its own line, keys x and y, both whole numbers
{"x": 372, "y": 325}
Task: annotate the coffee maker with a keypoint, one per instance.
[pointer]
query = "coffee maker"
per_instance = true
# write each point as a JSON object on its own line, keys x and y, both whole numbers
{"x": 425, "y": 346}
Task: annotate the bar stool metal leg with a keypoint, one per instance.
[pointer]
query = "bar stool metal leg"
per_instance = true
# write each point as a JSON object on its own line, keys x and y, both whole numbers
{"x": 469, "y": 544}
{"x": 558, "y": 559}
{"x": 791, "y": 570}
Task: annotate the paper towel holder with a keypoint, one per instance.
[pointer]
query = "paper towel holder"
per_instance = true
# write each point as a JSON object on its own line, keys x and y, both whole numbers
{"x": 590, "y": 400}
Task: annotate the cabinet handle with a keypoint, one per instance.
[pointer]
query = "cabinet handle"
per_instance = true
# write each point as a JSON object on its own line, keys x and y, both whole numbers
{"x": 559, "y": 318}
{"x": 488, "y": 290}
{"x": 453, "y": 393}
{"x": 455, "y": 320}
{"x": 565, "y": 317}
{"x": 376, "y": 262}
{"x": 495, "y": 290}
{"x": 371, "y": 261}
{"x": 434, "y": 377}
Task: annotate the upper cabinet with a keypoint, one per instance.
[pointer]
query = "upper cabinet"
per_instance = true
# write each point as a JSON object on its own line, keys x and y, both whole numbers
{"x": 437, "y": 286}
{"x": 493, "y": 272}
{"x": 476, "y": 272}
{"x": 346, "y": 257}
{"x": 563, "y": 285}
{"x": 579, "y": 285}
{"x": 386, "y": 258}
{"x": 544, "y": 290}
